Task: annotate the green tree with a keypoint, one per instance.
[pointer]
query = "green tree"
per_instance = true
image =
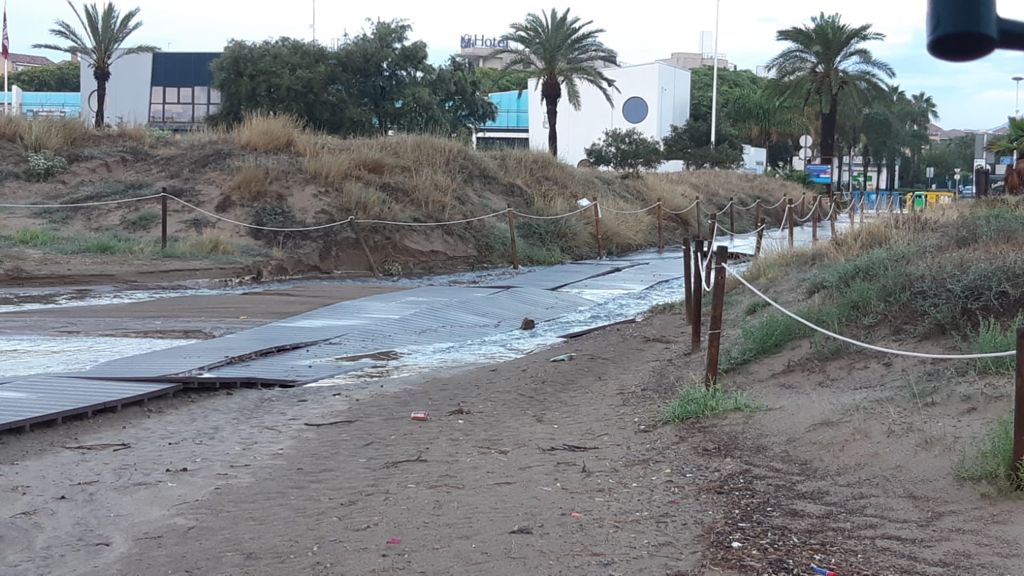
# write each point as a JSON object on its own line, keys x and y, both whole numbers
{"x": 60, "y": 77}
{"x": 375, "y": 82}
{"x": 824, "y": 59}
{"x": 625, "y": 150}
{"x": 285, "y": 76}
{"x": 1012, "y": 141}
{"x": 492, "y": 80}
{"x": 101, "y": 44}
{"x": 692, "y": 144}
{"x": 560, "y": 50}
{"x": 764, "y": 117}
{"x": 733, "y": 85}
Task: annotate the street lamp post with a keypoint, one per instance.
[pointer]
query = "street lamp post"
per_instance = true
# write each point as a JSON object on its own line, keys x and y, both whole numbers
{"x": 714, "y": 80}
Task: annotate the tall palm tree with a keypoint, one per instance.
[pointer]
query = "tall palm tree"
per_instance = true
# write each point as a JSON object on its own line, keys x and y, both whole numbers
{"x": 824, "y": 59}
{"x": 559, "y": 50}
{"x": 101, "y": 44}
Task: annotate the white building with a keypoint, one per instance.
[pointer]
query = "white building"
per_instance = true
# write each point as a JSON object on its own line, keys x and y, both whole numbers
{"x": 650, "y": 97}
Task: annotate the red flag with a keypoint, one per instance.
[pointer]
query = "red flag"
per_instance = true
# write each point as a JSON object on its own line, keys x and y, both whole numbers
{"x": 6, "y": 47}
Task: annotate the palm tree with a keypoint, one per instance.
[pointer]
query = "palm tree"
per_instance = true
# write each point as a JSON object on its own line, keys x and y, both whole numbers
{"x": 824, "y": 59}
{"x": 100, "y": 46}
{"x": 561, "y": 51}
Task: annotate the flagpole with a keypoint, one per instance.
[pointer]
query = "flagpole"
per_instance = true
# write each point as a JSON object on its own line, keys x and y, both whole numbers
{"x": 7, "y": 61}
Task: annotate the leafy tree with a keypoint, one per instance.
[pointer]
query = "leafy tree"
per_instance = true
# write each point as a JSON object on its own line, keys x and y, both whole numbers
{"x": 948, "y": 155}
{"x": 692, "y": 144}
{"x": 1012, "y": 141}
{"x": 101, "y": 44}
{"x": 375, "y": 82}
{"x": 284, "y": 76}
{"x": 824, "y": 59}
{"x": 732, "y": 86}
{"x": 625, "y": 150}
{"x": 766, "y": 118}
{"x": 60, "y": 77}
{"x": 492, "y": 80}
{"x": 560, "y": 50}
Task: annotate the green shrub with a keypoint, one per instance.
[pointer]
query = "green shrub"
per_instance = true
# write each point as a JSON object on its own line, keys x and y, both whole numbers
{"x": 766, "y": 337}
{"x": 35, "y": 237}
{"x": 44, "y": 165}
{"x": 697, "y": 401}
{"x": 993, "y": 336}
{"x": 140, "y": 221}
{"x": 277, "y": 215}
{"x": 990, "y": 459}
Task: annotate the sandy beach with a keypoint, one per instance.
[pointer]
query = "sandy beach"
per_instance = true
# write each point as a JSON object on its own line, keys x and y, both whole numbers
{"x": 525, "y": 467}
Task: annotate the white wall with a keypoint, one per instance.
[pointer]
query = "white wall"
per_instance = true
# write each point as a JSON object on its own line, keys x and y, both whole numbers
{"x": 127, "y": 90}
{"x": 754, "y": 159}
{"x": 666, "y": 90}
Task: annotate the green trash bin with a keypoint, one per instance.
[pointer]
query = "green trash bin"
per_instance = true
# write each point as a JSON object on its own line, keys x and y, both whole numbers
{"x": 920, "y": 200}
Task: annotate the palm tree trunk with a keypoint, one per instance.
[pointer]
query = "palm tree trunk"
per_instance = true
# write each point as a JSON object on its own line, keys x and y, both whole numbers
{"x": 839, "y": 172}
{"x": 550, "y": 94}
{"x": 867, "y": 163}
{"x": 552, "y": 131}
{"x": 101, "y": 100}
{"x": 828, "y": 133}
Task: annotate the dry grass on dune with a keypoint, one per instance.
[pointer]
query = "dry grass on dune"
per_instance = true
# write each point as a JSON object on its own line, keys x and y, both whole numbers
{"x": 50, "y": 134}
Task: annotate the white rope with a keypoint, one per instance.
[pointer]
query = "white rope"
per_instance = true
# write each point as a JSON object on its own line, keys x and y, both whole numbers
{"x": 777, "y": 204}
{"x": 567, "y": 214}
{"x": 863, "y": 344}
{"x": 684, "y": 210}
{"x": 722, "y": 211}
{"x": 614, "y": 211}
{"x": 254, "y": 226}
{"x": 84, "y": 204}
{"x": 784, "y": 219}
{"x": 463, "y": 221}
{"x": 737, "y": 235}
{"x": 705, "y": 263}
{"x": 756, "y": 202}
{"x": 811, "y": 212}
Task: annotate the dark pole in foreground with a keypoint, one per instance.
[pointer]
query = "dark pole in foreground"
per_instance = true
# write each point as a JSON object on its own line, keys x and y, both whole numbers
{"x": 512, "y": 237}
{"x": 815, "y": 215}
{"x": 732, "y": 221}
{"x": 163, "y": 218}
{"x": 688, "y": 281}
{"x": 698, "y": 290}
{"x": 366, "y": 251}
{"x": 760, "y": 237}
{"x": 1018, "y": 414}
{"x": 697, "y": 217}
{"x": 715, "y": 327}
{"x": 833, "y": 215}
{"x": 789, "y": 219}
{"x": 661, "y": 238}
{"x": 597, "y": 227}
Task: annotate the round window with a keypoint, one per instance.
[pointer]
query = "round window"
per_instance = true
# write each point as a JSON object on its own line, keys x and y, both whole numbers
{"x": 634, "y": 110}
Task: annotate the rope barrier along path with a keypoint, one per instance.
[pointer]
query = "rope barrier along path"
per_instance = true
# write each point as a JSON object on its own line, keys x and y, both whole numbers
{"x": 614, "y": 211}
{"x": 85, "y": 204}
{"x": 555, "y": 217}
{"x": 863, "y": 344}
{"x": 684, "y": 210}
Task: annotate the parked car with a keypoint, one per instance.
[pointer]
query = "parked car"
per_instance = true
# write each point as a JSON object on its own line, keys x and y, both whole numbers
{"x": 968, "y": 192}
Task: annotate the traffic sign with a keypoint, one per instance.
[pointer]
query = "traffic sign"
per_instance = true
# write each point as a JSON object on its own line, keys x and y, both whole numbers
{"x": 806, "y": 140}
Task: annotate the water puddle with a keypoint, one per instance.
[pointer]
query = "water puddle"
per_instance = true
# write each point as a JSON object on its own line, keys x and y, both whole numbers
{"x": 26, "y": 355}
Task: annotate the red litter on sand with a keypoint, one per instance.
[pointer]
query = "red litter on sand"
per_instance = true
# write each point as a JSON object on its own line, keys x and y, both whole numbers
{"x": 394, "y": 540}
{"x": 420, "y": 416}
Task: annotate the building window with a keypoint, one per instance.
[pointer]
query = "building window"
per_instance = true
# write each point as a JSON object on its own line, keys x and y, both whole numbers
{"x": 171, "y": 95}
{"x": 634, "y": 110}
{"x": 185, "y": 95}
{"x": 182, "y": 105}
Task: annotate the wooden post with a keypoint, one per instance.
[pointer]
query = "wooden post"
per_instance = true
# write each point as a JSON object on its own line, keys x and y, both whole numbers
{"x": 712, "y": 227}
{"x": 366, "y": 251}
{"x": 697, "y": 217}
{"x": 715, "y": 326}
{"x": 512, "y": 237}
{"x": 1018, "y": 413}
{"x": 803, "y": 207}
{"x": 789, "y": 219}
{"x": 688, "y": 280}
{"x": 757, "y": 210}
{"x": 760, "y": 237}
{"x": 833, "y": 216}
{"x": 698, "y": 291}
{"x": 732, "y": 221}
{"x": 163, "y": 218}
{"x": 661, "y": 238}
{"x": 863, "y": 204}
{"x": 597, "y": 228}
{"x": 815, "y": 215}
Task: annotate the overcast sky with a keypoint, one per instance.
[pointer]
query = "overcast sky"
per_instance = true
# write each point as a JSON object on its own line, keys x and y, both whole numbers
{"x": 975, "y": 95}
